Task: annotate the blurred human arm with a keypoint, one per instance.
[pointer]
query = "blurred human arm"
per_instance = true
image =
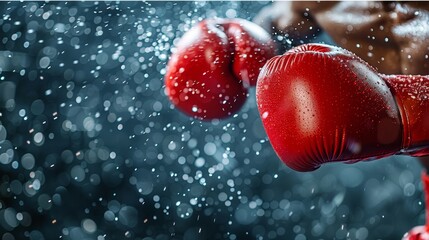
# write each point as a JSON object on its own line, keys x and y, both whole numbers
{"x": 291, "y": 23}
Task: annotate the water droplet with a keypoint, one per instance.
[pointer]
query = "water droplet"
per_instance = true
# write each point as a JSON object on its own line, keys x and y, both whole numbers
{"x": 264, "y": 115}
{"x": 89, "y": 225}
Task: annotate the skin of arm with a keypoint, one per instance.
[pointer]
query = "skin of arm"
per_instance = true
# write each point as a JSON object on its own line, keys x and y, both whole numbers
{"x": 290, "y": 23}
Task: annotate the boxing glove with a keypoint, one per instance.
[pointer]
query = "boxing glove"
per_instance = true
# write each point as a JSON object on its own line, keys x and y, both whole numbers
{"x": 417, "y": 233}
{"x": 421, "y": 232}
{"x": 320, "y": 104}
{"x": 213, "y": 65}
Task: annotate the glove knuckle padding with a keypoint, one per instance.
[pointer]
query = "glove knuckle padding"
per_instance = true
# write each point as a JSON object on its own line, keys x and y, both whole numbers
{"x": 320, "y": 105}
{"x": 205, "y": 75}
{"x": 198, "y": 76}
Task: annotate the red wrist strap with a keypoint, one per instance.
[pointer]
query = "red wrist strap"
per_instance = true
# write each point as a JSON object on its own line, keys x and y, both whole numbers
{"x": 425, "y": 180}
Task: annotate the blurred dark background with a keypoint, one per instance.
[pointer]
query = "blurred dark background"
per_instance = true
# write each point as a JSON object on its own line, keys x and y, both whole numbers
{"x": 91, "y": 148}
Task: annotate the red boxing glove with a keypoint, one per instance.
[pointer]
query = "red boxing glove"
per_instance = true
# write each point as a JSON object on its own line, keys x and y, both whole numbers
{"x": 421, "y": 232}
{"x": 322, "y": 104}
{"x": 417, "y": 233}
{"x": 213, "y": 65}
